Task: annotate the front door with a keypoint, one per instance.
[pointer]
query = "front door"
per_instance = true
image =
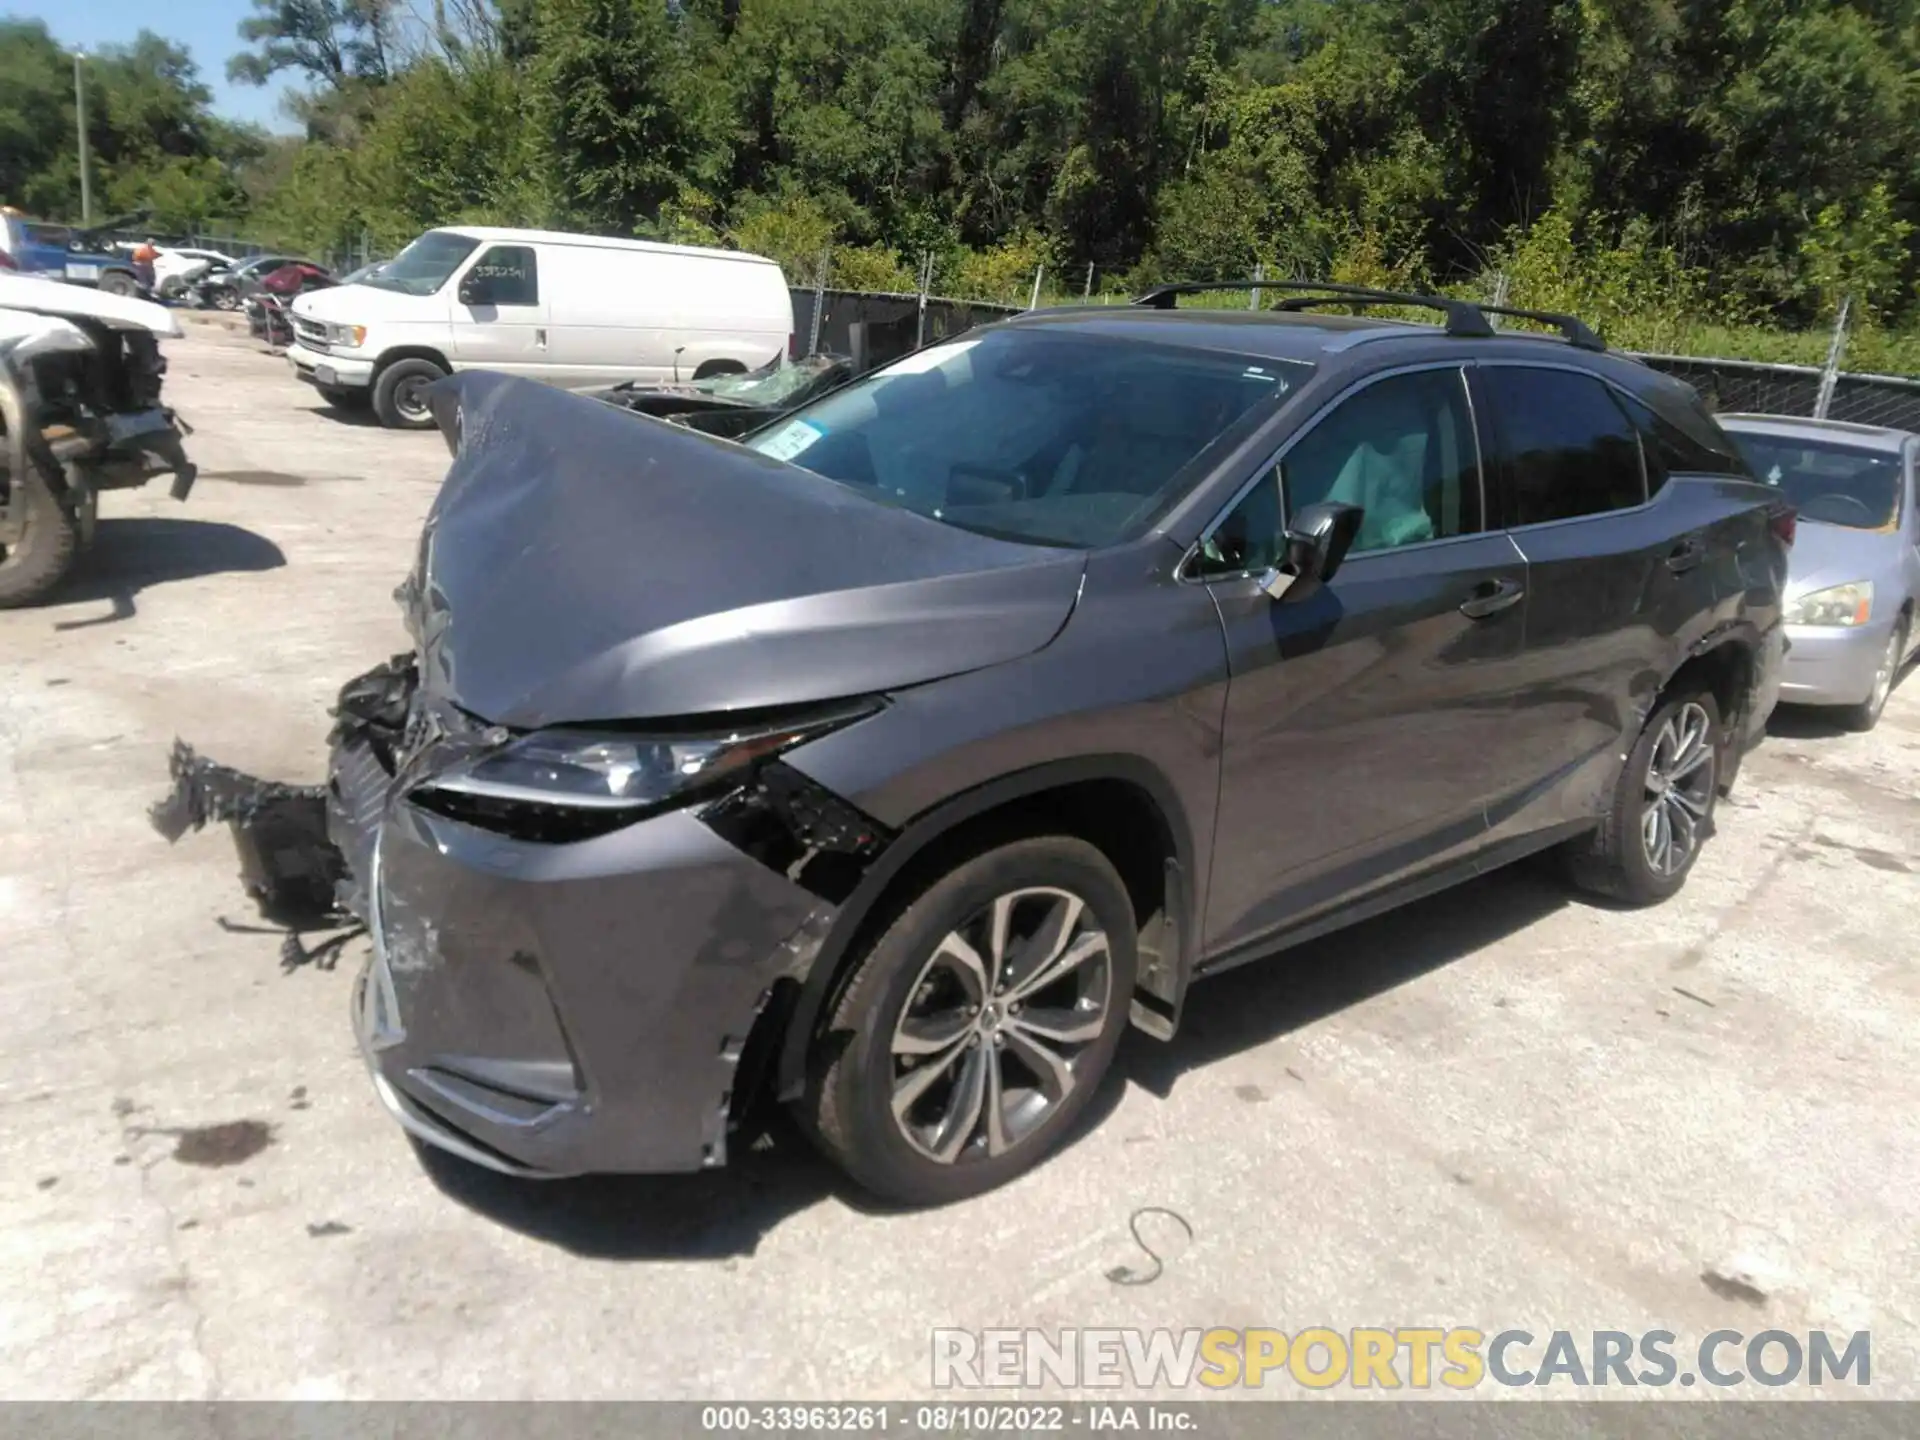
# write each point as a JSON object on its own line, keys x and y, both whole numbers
{"x": 1363, "y": 725}
{"x": 499, "y": 315}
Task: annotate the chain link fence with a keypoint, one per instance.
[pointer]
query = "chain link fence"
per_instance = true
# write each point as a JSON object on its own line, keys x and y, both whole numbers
{"x": 1750, "y": 386}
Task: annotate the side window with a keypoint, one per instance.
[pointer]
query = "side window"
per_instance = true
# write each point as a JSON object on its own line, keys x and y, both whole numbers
{"x": 511, "y": 273}
{"x": 1402, "y": 449}
{"x": 1569, "y": 448}
{"x": 1249, "y": 538}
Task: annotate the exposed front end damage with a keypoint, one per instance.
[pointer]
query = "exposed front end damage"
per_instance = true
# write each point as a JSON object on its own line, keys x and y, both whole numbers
{"x": 80, "y": 412}
{"x": 543, "y": 1008}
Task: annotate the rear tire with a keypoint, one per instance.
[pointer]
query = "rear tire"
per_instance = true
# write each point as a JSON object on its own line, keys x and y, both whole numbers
{"x": 1006, "y": 1078}
{"x": 30, "y": 570}
{"x": 1864, "y": 716}
{"x": 116, "y": 282}
{"x": 1662, "y": 808}
{"x": 398, "y": 397}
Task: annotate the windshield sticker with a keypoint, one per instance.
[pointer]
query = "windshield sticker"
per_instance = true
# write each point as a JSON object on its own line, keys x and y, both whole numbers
{"x": 790, "y": 439}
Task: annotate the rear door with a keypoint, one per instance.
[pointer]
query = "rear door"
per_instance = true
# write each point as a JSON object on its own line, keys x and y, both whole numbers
{"x": 498, "y": 313}
{"x": 1621, "y": 577}
{"x": 1364, "y": 726}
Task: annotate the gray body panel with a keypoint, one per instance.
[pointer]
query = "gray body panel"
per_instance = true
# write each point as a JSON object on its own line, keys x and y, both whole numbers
{"x": 1308, "y": 761}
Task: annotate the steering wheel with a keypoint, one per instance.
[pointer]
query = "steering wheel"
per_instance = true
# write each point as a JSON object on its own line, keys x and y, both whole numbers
{"x": 1866, "y": 510}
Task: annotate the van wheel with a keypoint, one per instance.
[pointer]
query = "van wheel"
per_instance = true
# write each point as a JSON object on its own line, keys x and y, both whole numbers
{"x": 400, "y": 394}
{"x": 978, "y": 1025}
{"x": 33, "y": 566}
{"x": 1662, "y": 810}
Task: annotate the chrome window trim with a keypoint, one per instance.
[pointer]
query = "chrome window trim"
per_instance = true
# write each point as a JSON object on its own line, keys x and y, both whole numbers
{"x": 1183, "y": 571}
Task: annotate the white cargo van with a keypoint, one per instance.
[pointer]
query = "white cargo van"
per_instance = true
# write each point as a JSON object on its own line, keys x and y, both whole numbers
{"x": 576, "y": 311}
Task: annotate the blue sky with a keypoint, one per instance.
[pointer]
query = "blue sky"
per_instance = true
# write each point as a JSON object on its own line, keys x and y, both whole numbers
{"x": 208, "y": 28}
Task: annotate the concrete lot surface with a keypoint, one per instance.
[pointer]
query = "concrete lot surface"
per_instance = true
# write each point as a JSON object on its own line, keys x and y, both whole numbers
{"x": 1500, "y": 1108}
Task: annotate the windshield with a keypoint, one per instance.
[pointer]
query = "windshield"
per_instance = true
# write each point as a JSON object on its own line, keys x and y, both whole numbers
{"x": 1040, "y": 435}
{"x": 772, "y": 384}
{"x": 1829, "y": 481}
{"x": 423, "y": 267}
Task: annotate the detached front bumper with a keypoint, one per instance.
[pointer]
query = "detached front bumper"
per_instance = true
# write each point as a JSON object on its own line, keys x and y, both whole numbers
{"x": 329, "y": 371}
{"x": 1832, "y": 666}
{"x": 561, "y": 1009}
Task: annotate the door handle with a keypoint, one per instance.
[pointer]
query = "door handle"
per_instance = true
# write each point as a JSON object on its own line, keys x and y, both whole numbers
{"x": 540, "y": 339}
{"x": 1686, "y": 555}
{"x": 1490, "y": 597}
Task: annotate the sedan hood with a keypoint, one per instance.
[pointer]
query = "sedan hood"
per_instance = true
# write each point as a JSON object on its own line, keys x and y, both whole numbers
{"x": 583, "y": 564}
{"x": 1826, "y": 555}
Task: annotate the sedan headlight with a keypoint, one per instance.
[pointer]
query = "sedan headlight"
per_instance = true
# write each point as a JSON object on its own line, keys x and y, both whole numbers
{"x": 349, "y": 337}
{"x": 564, "y": 785}
{"x": 1838, "y": 606}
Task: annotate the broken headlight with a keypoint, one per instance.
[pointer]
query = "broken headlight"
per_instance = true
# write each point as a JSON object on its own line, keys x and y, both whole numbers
{"x": 558, "y": 786}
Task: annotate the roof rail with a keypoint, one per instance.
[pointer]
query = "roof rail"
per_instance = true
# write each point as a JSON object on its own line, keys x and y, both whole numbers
{"x": 1575, "y": 330}
{"x": 1464, "y": 318}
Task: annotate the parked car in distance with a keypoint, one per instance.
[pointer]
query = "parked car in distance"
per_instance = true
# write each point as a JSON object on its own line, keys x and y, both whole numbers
{"x": 179, "y": 266}
{"x": 577, "y": 311}
{"x": 64, "y": 252}
{"x": 1854, "y": 584}
{"x": 732, "y": 405}
{"x": 893, "y": 759}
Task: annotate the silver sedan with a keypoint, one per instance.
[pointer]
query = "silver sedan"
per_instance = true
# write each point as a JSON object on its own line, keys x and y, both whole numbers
{"x": 1854, "y": 581}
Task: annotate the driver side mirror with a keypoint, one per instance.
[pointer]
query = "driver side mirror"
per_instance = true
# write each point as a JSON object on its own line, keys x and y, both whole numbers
{"x": 1316, "y": 541}
{"x": 476, "y": 290}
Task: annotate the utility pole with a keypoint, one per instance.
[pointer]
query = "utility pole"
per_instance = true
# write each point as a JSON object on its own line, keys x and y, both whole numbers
{"x": 80, "y": 125}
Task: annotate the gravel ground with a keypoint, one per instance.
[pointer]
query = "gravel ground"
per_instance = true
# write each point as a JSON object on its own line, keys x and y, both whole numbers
{"x": 1499, "y": 1108}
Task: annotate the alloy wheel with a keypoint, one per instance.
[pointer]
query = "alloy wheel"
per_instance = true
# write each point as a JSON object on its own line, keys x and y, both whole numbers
{"x": 1679, "y": 789}
{"x": 986, "y": 1046}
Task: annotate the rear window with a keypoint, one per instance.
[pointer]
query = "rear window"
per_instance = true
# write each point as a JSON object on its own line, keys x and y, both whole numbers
{"x": 1828, "y": 481}
{"x": 1034, "y": 435}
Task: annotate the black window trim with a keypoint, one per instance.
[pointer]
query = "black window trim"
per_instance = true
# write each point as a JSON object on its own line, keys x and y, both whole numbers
{"x": 1184, "y": 572}
{"x": 1640, "y": 443}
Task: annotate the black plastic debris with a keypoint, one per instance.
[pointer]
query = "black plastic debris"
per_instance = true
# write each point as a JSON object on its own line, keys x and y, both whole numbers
{"x": 287, "y": 864}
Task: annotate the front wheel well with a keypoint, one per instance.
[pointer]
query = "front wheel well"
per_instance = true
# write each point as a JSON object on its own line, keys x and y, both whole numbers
{"x": 1119, "y": 817}
{"x": 709, "y": 368}
{"x": 408, "y": 352}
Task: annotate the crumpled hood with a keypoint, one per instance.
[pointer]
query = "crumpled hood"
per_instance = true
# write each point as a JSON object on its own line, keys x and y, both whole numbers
{"x": 582, "y": 563}
{"x": 56, "y": 297}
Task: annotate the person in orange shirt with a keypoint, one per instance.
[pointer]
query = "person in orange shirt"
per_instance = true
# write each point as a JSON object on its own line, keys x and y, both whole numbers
{"x": 144, "y": 255}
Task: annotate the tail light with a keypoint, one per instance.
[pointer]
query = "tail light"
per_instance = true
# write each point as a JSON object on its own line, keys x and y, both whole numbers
{"x": 1784, "y": 521}
{"x": 6, "y": 261}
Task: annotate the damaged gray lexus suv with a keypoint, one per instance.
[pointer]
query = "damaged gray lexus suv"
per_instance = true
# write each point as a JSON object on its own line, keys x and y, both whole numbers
{"x": 893, "y": 760}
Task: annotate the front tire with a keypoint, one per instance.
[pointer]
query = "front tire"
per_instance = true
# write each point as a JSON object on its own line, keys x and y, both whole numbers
{"x": 399, "y": 394}
{"x": 1662, "y": 810}
{"x": 1864, "y": 716}
{"x": 32, "y": 568}
{"x": 978, "y": 1025}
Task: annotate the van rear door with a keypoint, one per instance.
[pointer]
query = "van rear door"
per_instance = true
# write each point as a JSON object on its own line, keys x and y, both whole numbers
{"x": 499, "y": 312}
